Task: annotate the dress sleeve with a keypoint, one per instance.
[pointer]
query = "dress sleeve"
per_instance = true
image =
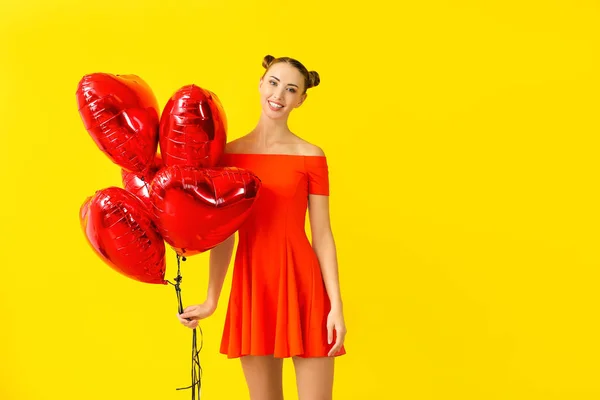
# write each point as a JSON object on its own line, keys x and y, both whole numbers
{"x": 318, "y": 175}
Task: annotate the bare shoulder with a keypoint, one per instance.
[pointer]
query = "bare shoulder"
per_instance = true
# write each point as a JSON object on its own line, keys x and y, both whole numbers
{"x": 308, "y": 149}
{"x": 236, "y": 146}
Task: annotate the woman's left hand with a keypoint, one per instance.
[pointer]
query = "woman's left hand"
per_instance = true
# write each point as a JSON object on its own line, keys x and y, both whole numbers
{"x": 335, "y": 322}
{"x": 192, "y": 314}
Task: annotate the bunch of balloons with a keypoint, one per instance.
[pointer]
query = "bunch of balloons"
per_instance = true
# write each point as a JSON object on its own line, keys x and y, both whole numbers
{"x": 174, "y": 189}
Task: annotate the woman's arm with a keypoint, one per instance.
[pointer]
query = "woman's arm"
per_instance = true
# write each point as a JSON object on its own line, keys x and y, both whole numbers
{"x": 324, "y": 245}
{"x": 219, "y": 259}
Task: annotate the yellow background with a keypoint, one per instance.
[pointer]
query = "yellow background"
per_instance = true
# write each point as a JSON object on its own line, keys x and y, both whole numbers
{"x": 462, "y": 138}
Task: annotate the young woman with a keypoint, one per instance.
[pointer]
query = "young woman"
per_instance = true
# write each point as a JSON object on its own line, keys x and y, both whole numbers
{"x": 285, "y": 298}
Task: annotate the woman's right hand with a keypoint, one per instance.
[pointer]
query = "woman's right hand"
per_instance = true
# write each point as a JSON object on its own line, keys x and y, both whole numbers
{"x": 192, "y": 314}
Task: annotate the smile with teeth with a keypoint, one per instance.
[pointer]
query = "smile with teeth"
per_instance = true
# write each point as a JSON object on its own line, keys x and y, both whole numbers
{"x": 275, "y": 105}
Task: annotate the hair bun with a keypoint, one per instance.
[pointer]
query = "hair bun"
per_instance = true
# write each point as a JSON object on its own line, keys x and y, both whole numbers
{"x": 314, "y": 79}
{"x": 267, "y": 61}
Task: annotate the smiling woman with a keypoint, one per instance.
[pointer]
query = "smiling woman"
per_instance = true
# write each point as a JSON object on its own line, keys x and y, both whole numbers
{"x": 277, "y": 104}
{"x": 285, "y": 299}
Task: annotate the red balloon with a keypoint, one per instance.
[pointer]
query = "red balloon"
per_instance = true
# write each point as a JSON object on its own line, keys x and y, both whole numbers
{"x": 121, "y": 114}
{"x": 118, "y": 227}
{"x": 193, "y": 128}
{"x": 196, "y": 209}
{"x": 139, "y": 183}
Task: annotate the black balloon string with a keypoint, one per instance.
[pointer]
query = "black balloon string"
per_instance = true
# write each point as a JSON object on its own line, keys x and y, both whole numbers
{"x": 196, "y": 385}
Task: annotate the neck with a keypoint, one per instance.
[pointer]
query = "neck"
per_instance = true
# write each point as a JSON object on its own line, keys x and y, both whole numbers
{"x": 269, "y": 131}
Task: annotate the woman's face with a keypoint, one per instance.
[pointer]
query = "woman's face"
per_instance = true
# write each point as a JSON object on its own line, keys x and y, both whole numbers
{"x": 281, "y": 90}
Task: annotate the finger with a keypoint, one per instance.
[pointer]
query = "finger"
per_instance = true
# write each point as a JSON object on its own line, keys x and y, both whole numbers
{"x": 338, "y": 343}
{"x": 189, "y": 308}
{"x": 187, "y": 324}
{"x": 333, "y": 351}
{"x": 182, "y": 320}
{"x": 329, "y": 334}
{"x": 336, "y": 346}
{"x": 187, "y": 315}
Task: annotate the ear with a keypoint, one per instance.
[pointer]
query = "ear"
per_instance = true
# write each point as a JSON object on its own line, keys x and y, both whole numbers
{"x": 302, "y": 100}
{"x": 260, "y": 82}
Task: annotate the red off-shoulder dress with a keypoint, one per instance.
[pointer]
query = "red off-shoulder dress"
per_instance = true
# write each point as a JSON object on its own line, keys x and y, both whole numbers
{"x": 278, "y": 303}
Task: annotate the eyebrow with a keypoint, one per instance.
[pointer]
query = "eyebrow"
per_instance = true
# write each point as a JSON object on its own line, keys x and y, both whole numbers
{"x": 289, "y": 84}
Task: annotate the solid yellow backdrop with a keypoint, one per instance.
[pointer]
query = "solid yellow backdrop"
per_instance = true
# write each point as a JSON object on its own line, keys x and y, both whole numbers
{"x": 462, "y": 139}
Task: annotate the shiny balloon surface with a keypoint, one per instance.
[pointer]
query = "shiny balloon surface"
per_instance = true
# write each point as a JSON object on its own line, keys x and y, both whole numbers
{"x": 120, "y": 230}
{"x": 193, "y": 128}
{"x": 139, "y": 183}
{"x": 121, "y": 114}
{"x": 198, "y": 208}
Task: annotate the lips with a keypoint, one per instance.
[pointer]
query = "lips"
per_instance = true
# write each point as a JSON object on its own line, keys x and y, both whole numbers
{"x": 273, "y": 105}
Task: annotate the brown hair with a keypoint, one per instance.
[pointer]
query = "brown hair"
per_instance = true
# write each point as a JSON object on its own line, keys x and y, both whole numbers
{"x": 311, "y": 78}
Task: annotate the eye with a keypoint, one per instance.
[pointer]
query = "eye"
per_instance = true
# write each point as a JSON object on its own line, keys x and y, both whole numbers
{"x": 293, "y": 90}
{"x": 272, "y": 82}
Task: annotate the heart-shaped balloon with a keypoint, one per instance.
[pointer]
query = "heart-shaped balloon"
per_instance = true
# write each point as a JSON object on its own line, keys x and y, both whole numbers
{"x": 196, "y": 209}
{"x": 118, "y": 227}
{"x": 139, "y": 183}
{"x": 121, "y": 114}
{"x": 193, "y": 128}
